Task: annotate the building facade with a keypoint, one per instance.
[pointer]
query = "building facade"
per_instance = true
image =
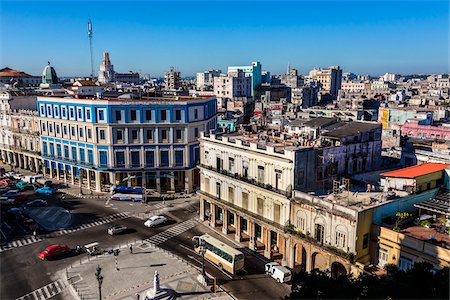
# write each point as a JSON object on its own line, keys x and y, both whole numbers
{"x": 245, "y": 192}
{"x": 148, "y": 142}
{"x": 19, "y": 133}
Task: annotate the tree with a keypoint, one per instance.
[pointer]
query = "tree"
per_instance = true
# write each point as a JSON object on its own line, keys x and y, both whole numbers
{"x": 419, "y": 282}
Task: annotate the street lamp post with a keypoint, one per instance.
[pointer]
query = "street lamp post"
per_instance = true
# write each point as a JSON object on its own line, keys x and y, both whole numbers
{"x": 98, "y": 275}
{"x": 202, "y": 253}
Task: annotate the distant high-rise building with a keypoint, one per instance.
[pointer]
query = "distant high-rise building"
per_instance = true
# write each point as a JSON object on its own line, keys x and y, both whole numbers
{"x": 172, "y": 79}
{"x": 330, "y": 79}
{"x": 106, "y": 73}
{"x": 205, "y": 80}
{"x": 253, "y": 71}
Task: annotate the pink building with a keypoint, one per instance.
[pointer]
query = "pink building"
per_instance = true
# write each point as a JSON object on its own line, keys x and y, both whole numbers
{"x": 412, "y": 128}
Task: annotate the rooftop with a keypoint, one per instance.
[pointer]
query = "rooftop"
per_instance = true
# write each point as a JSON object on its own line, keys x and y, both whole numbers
{"x": 7, "y": 72}
{"x": 319, "y": 122}
{"x": 129, "y": 97}
{"x": 416, "y": 171}
{"x": 344, "y": 129}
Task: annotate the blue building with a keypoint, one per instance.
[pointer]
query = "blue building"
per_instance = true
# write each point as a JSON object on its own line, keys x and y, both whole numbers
{"x": 148, "y": 142}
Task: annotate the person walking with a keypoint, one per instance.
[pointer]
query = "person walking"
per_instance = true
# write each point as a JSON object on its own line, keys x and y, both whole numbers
{"x": 131, "y": 249}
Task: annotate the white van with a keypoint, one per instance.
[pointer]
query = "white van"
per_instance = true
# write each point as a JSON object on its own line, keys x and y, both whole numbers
{"x": 279, "y": 273}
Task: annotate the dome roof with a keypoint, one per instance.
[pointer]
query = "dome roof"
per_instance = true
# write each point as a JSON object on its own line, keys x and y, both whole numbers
{"x": 49, "y": 75}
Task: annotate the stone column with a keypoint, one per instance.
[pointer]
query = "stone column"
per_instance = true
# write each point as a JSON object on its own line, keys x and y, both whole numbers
{"x": 65, "y": 173}
{"x": 158, "y": 182}
{"x": 36, "y": 165}
{"x": 188, "y": 180}
{"x": 251, "y": 233}
{"x": 172, "y": 181}
{"x": 73, "y": 174}
{"x": 51, "y": 169}
{"x": 129, "y": 180}
{"x": 225, "y": 221}
{"x": 267, "y": 242}
{"x": 202, "y": 209}
{"x": 57, "y": 171}
{"x": 213, "y": 214}
{"x": 88, "y": 177}
{"x": 112, "y": 178}
{"x": 98, "y": 187}
{"x": 237, "y": 224}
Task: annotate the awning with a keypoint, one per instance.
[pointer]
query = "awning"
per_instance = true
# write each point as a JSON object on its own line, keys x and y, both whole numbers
{"x": 439, "y": 204}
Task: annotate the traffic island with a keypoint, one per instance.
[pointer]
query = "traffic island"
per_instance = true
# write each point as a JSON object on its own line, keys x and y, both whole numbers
{"x": 131, "y": 276}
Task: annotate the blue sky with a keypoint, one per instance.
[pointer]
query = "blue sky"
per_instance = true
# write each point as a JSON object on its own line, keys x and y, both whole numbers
{"x": 362, "y": 36}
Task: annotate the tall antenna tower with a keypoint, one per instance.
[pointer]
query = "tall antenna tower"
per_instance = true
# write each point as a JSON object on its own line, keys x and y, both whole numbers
{"x": 90, "y": 34}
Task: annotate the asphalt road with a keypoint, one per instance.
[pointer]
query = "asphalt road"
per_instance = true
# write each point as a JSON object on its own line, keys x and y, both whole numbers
{"x": 22, "y": 272}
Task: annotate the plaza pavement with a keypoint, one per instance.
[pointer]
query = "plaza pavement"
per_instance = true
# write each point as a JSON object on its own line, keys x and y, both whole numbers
{"x": 135, "y": 275}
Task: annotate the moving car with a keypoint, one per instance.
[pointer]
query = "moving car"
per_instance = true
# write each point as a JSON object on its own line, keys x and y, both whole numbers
{"x": 116, "y": 229}
{"x": 155, "y": 221}
{"x": 46, "y": 190}
{"x": 36, "y": 203}
{"x": 53, "y": 251}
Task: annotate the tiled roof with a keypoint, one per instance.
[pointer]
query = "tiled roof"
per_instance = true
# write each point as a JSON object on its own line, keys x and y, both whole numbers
{"x": 86, "y": 82}
{"x": 416, "y": 171}
{"x": 7, "y": 72}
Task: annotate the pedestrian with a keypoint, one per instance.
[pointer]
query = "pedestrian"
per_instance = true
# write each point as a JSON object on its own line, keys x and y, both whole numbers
{"x": 34, "y": 233}
{"x": 131, "y": 249}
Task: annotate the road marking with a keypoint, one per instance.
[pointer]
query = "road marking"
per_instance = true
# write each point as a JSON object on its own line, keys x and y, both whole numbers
{"x": 171, "y": 232}
{"x": 31, "y": 239}
{"x": 45, "y": 292}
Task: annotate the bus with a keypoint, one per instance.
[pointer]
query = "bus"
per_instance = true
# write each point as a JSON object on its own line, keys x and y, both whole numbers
{"x": 225, "y": 257}
{"x": 125, "y": 193}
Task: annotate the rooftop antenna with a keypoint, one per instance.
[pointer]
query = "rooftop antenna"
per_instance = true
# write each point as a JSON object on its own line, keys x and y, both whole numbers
{"x": 90, "y": 34}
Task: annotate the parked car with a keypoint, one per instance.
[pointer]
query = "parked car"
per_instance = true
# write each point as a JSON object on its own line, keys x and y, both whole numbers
{"x": 21, "y": 185}
{"x": 48, "y": 183}
{"x": 155, "y": 221}
{"x": 46, "y": 190}
{"x": 15, "y": 211}
{"x": 53, "y": 251}
{"x": 279, "y": 273}
{"x": 10, "y": 174}
{"x": 10, "y": 193}
{"x": 6, "y": 201}
{"x": 116, "y": 229}
{"x": 14, "y": 194}
{"x": 17, "y": 176}
{"x": 6, "y": 182}
{"x": 36, "y": 203}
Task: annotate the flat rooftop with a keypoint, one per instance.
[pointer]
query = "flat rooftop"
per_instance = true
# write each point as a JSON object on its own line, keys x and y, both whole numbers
{"x": 416, "y": 171}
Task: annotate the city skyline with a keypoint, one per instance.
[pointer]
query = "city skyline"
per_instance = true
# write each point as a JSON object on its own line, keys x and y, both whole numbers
{"x": 194, "y": 37}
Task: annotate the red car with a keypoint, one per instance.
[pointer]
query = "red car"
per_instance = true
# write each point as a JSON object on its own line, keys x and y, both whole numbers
{"x": 52, "y": 251}
{"x": 6, "y": 182}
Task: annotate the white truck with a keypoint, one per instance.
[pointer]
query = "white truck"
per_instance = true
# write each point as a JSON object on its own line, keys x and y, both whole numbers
{"x": 277, "y": 272}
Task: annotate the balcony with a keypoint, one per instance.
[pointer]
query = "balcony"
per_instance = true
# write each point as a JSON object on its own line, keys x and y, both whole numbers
{"x": 251, "y": 181}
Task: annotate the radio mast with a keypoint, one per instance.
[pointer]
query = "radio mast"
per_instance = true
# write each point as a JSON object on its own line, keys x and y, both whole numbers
{"x": 90, "y": 34}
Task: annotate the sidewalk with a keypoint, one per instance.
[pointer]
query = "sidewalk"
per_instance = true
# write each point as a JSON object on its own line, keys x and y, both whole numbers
{"x": 135, "y": 275}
